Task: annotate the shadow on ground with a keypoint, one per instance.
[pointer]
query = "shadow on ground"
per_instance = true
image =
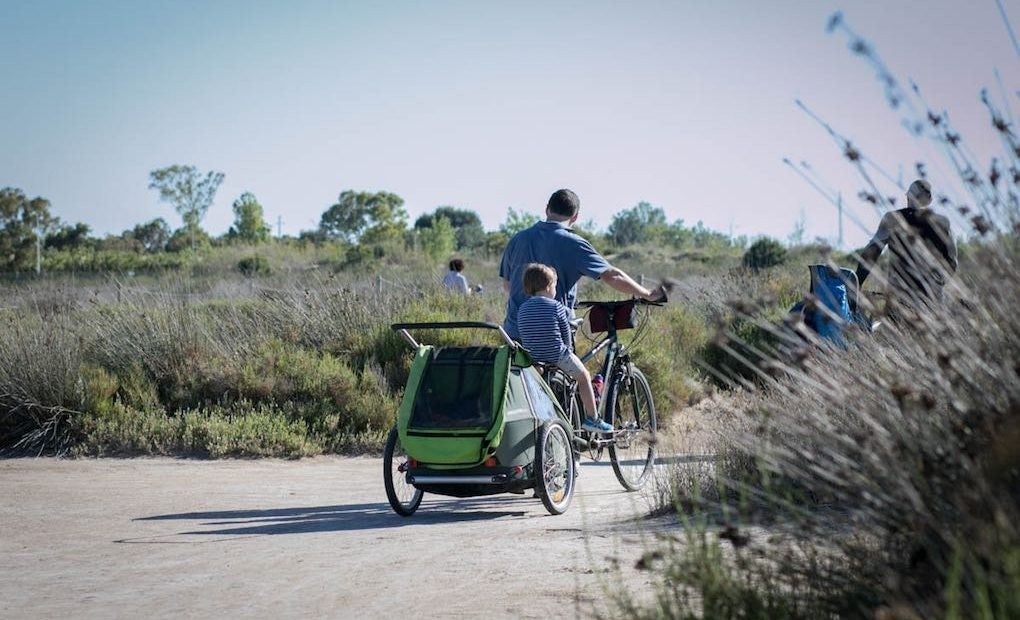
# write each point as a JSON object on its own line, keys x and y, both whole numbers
{"x": 347, "y": 517}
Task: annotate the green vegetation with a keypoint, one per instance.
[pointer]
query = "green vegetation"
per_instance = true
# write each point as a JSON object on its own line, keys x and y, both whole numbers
{"x": 279, "y": 348}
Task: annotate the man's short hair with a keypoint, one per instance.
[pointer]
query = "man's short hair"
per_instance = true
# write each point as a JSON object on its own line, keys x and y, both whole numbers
{"x": 920, "y": 190}
{"x": 538, "y": 277}
{"x": 564, "y": 202}
{"x": 457, "y": 264}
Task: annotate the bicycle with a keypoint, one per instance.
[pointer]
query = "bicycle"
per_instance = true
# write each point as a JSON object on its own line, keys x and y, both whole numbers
{"x": 626, "y": 404}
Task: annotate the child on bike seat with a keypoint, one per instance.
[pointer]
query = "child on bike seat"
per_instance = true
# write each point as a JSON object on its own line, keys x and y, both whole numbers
{"x": 544, "y": 326}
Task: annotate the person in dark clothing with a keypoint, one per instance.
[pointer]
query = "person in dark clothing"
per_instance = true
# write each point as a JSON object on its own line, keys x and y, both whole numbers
{"x": 923, "y": 251}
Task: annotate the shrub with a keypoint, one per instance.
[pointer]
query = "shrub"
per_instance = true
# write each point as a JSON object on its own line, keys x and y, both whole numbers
{"x": 254, "y": 265}
{"x": 764, "y": 253}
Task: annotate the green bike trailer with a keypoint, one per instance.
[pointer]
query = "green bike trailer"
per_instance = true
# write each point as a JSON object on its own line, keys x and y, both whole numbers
{"x": 471, "y": 421}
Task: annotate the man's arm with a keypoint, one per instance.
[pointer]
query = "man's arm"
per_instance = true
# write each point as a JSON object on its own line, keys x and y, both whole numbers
{"x": 871, "y": 252}
{"x": 947, "y": 239}
{"x": 869, "y": 256}
{"x": 954, "y": 260}
{"x": 620, "y": 281}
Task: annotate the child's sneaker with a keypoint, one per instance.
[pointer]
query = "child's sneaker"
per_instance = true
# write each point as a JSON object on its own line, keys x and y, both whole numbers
{"x": 596, "y": 426}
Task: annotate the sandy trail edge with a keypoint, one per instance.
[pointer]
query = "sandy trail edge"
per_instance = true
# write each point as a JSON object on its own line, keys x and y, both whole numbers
{"x": 257, "y": 538}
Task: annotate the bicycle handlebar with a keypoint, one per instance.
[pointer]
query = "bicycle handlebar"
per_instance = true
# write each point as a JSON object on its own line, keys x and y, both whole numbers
{"x": 621, "y": 302}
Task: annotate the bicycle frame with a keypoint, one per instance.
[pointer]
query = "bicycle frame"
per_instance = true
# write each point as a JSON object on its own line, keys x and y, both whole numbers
{"x": 615, "y": 356}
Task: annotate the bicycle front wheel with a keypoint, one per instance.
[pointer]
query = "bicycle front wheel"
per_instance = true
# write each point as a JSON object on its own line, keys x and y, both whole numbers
{"x": 632, "y": 414}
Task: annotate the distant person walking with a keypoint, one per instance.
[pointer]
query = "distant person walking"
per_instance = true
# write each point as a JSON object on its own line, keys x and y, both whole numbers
{"x": 923, "y": 252}
{"x": 455, "y": 279}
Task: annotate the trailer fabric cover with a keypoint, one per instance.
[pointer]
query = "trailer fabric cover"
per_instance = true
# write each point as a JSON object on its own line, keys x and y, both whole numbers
{"x": 452, "y": 412}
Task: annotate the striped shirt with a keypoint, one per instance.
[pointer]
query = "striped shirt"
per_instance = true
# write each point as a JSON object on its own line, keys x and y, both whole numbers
{"x": 544, "y": 326}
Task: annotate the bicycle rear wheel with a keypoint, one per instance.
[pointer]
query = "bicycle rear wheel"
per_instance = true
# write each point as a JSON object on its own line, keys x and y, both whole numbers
{"x": 632, "y": 414}
{"x": 403, "y": 497}
{"x": 554, "y": 467}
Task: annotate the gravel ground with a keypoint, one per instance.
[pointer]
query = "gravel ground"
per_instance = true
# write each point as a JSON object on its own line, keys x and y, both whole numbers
{"x": 157, "y": 537}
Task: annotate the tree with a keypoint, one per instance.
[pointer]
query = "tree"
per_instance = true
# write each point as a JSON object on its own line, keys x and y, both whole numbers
{"x": 516, "y": 221}
{"x": 468, "y": 226}
{"x": 68, "y": 237}
{"x": 153, "y": 236}
{"x": 187, "y": 237}
{"x": 439, "y": 239}
{"x": 24, "y": 224}
{"x": 705, "y": 237}
{"x": 249, "y": 223}
{"x": 365, "y": 217}
{"x": 189, "y": 193}
{"x": 678, "y": 235}
{"x": 643, "y": 222}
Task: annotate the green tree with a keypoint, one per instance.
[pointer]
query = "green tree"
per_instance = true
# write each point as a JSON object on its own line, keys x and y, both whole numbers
{"x": 68, "y": 237}
{"x": 187, "y": 237}
{"x": 249, "y": 222}
{"x": 188, "y": 191}
{"x": 495, "y": 242}
{"x": 438, "y": 240}
{"x": 705, "y": 237}
{"x": 365, "y": 217}
{"x": 465, "y": 222}
{"x": 152, "y": 236}
{"x": 516, "y": 221}
{"x": 641, "y": 223}
{"x": 23, "y": 223}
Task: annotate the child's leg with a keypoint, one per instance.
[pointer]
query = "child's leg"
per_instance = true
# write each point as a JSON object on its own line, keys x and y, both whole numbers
{"x": 591, "y": 423}
{"x": 572, "y": 366}
{"x": 587, "y": 393}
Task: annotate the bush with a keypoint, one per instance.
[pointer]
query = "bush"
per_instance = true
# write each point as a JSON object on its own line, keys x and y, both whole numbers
{"x": 255, "y": 265}
{"x": 764, "y": 253}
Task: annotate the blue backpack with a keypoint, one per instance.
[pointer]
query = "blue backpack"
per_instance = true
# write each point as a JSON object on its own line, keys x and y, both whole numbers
{"x": 836, "y": 307}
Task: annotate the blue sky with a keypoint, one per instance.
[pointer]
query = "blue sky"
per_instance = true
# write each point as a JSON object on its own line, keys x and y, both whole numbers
{"x": 687, "y": 105}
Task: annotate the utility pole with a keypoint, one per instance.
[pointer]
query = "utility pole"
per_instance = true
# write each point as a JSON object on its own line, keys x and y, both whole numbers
{"x": 279, "y": 226}
{"x": 38, "y": 247}
{"x": 839, "y": 209}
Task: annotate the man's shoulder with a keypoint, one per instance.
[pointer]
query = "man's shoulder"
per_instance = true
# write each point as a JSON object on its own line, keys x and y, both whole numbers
{"x": 939, "y": 220}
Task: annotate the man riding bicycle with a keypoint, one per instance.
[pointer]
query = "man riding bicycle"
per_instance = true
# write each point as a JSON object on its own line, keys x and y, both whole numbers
{"x": 551, "y": 242}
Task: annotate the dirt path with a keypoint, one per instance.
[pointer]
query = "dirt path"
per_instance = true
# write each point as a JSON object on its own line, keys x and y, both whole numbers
{"x": 311, "y": 538}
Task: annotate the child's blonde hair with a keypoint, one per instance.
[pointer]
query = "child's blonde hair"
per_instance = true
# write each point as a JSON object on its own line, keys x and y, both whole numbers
{"x": 538, "y": 277}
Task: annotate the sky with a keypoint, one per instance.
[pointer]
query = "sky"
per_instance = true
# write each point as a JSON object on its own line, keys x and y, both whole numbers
{"x": 688, "y": 105}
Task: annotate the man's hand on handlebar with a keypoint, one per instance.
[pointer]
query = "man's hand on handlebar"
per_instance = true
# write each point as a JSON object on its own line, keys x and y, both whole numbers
{"x": 656, "y": 295}
{"x": 660, "y": 294}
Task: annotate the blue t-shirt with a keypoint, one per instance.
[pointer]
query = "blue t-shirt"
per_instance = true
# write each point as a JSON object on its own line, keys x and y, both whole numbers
{"x": 552, "y": 244}
{"x": 544, "y": 325}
